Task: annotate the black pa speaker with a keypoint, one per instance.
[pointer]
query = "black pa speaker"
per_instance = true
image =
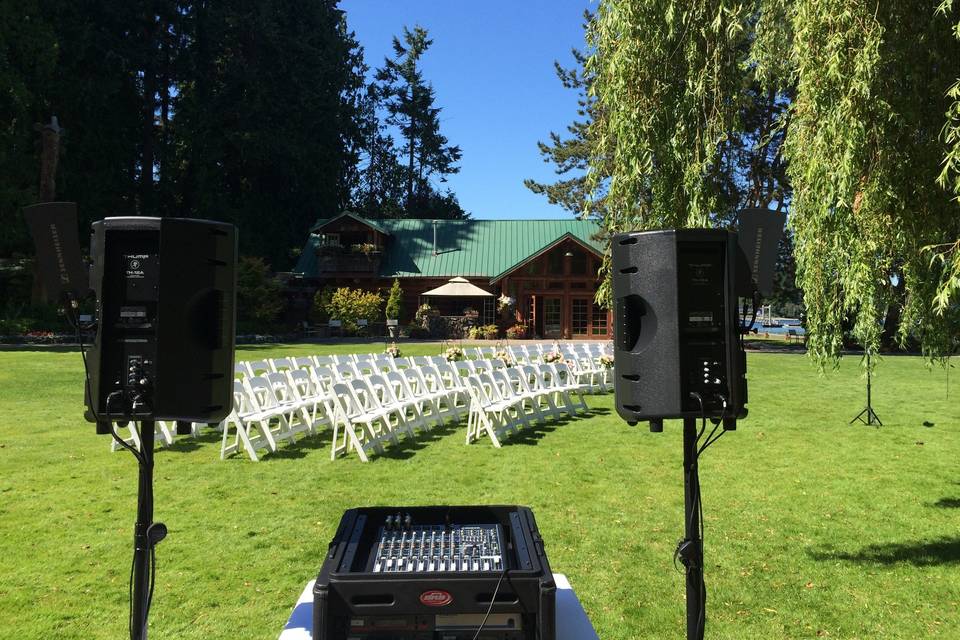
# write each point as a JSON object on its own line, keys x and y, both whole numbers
{"x": 677, "y": 349}
{"x": 166, "y": 297}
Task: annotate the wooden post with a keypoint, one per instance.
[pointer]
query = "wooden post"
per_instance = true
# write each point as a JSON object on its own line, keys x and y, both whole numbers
{"x": 49, "y": 157}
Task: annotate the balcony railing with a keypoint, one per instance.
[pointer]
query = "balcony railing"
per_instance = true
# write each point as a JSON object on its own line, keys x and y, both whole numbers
{"x": 333, "y": 259}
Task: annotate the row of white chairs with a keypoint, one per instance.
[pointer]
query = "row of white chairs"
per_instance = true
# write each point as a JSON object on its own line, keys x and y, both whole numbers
{"x": 365, "y": 406}
{"x": 583, "y": 358}
{"x": 505, "y": 399}
{"x": 370, "y": 402}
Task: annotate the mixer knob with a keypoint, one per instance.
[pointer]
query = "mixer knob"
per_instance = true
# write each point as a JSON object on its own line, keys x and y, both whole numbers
{"x": 407, "y": 522}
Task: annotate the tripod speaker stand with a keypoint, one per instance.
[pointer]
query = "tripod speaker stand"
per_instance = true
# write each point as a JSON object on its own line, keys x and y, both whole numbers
{"x": 868, "y": 416}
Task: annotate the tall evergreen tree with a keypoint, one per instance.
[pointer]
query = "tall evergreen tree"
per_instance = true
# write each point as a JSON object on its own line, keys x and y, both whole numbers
{"x": 27, "y": 59}
{"x": 267, "y": 123}
{"x": 409, "y": 102}
{"x": 381, "y": 188}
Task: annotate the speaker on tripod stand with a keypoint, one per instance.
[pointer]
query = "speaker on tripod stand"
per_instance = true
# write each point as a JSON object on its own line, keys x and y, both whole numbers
{"x": 677, "y": 342}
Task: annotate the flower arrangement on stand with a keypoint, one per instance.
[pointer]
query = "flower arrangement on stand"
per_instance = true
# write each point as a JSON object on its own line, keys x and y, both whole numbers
{"x": 606, "y": 361}
{"x": 454, "y": 354}
{"x": 504, "y": 355}
{"x": 552, "y": 356}
{"x": 517, "y": 332}
{"x": 393, "y": 350}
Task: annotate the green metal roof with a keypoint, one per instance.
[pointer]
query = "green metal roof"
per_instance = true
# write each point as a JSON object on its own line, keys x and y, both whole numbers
{"x": 350, "y": 214}
{"x": 470, "y": 248}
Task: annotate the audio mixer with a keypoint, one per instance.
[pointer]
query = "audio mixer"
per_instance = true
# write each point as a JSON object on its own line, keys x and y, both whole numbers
{"x": 408, "y": 548}
{"x": 435, "y": 573}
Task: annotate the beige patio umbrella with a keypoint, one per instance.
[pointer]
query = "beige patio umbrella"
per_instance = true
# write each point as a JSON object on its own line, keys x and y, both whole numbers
{"x": 458, "y": 288}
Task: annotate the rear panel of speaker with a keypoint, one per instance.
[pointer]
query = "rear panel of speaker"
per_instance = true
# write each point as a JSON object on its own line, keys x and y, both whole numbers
{"x": 676, "y": 337}
{"x": 166, "y": 318}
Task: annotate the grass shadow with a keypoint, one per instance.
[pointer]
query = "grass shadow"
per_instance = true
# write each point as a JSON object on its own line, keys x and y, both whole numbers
{"x": 534, "y": 434}
{"x": 408, "y": 447}
{"x": 302, "y": 447}
{"x": 928, "y": 553}
{"x": 948, "y": 503}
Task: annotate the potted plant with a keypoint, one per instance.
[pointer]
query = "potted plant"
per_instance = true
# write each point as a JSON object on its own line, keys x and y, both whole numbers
{"x": 392, "y": 308}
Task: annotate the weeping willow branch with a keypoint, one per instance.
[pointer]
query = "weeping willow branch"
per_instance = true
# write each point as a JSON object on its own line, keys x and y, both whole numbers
{"x": 667, "y": 79}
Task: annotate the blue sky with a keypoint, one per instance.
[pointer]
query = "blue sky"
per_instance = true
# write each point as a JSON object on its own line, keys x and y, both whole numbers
{"x": 491, "y": 65}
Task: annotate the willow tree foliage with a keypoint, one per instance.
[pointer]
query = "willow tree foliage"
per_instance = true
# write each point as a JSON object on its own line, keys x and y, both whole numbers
{"x": 864, "y": 89}
{"x": 668, "y": 80}
{"x": 865, "y": 150}
{"x": 948, "y": 255}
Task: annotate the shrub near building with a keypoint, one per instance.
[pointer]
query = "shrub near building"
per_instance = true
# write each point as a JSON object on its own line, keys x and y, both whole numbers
{"x": 349, "y": 305}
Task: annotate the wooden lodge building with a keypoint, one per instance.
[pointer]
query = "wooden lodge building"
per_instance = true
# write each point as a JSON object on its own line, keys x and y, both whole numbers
{"x": 549, "y": 267}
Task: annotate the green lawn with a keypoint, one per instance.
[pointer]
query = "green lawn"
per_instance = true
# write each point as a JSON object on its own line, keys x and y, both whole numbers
{"x": 813, "y": 528}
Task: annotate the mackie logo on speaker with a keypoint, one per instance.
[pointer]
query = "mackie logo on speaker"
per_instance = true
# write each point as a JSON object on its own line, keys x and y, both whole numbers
{"x": 436, "y": 598}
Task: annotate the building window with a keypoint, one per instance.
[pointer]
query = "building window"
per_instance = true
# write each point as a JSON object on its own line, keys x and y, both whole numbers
{"x": 599, "y": 321}
{"x": 578, "y": 285}
{"x": 556, "y": 284}
{"x": 578, "y": 316}
{"x": 330, "y": 240}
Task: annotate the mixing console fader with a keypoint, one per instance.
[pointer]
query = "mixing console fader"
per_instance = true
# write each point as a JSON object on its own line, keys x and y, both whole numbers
{"x": 438, "y": 548}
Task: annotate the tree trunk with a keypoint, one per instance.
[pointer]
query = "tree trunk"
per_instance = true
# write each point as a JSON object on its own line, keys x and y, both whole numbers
{"x": 410, "y": 138}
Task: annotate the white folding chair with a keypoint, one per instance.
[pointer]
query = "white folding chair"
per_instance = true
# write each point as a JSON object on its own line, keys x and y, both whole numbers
{"x": 346, "y": 371}
{"x": 564, "y": 380}
{"x": 489, "y": 415}
{"x": 279, "y": 365}
{"x": 388, "y": 399}
{"x": 267, "y": 410}
{"x": 446, "y": 396}
{"x": 323, "y": 361}
{"x": 353, "y": 429}
{"x": 430, "y": 398}
{"x": 406, "y": 397}
{"x": 257, "y": 368}
{"x": 370, "y": 404}
{"x": 249, "y": 433}
{"x": 161, "y": 432}
{"x": 309, "y": 394}
{"x": 517, "y": 381}
{"x": 535, "y": 382}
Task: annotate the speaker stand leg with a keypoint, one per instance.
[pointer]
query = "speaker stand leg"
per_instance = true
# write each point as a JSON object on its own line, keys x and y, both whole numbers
{"x": 146, "y": 535}
{"x": 691, "y": 548}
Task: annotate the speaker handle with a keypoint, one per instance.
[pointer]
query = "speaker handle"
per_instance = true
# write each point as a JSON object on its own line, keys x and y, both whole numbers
{"x": 638, "y": 324}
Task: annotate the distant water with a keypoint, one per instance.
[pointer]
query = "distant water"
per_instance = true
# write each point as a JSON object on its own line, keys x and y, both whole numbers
{"x": 787, "y": 325}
